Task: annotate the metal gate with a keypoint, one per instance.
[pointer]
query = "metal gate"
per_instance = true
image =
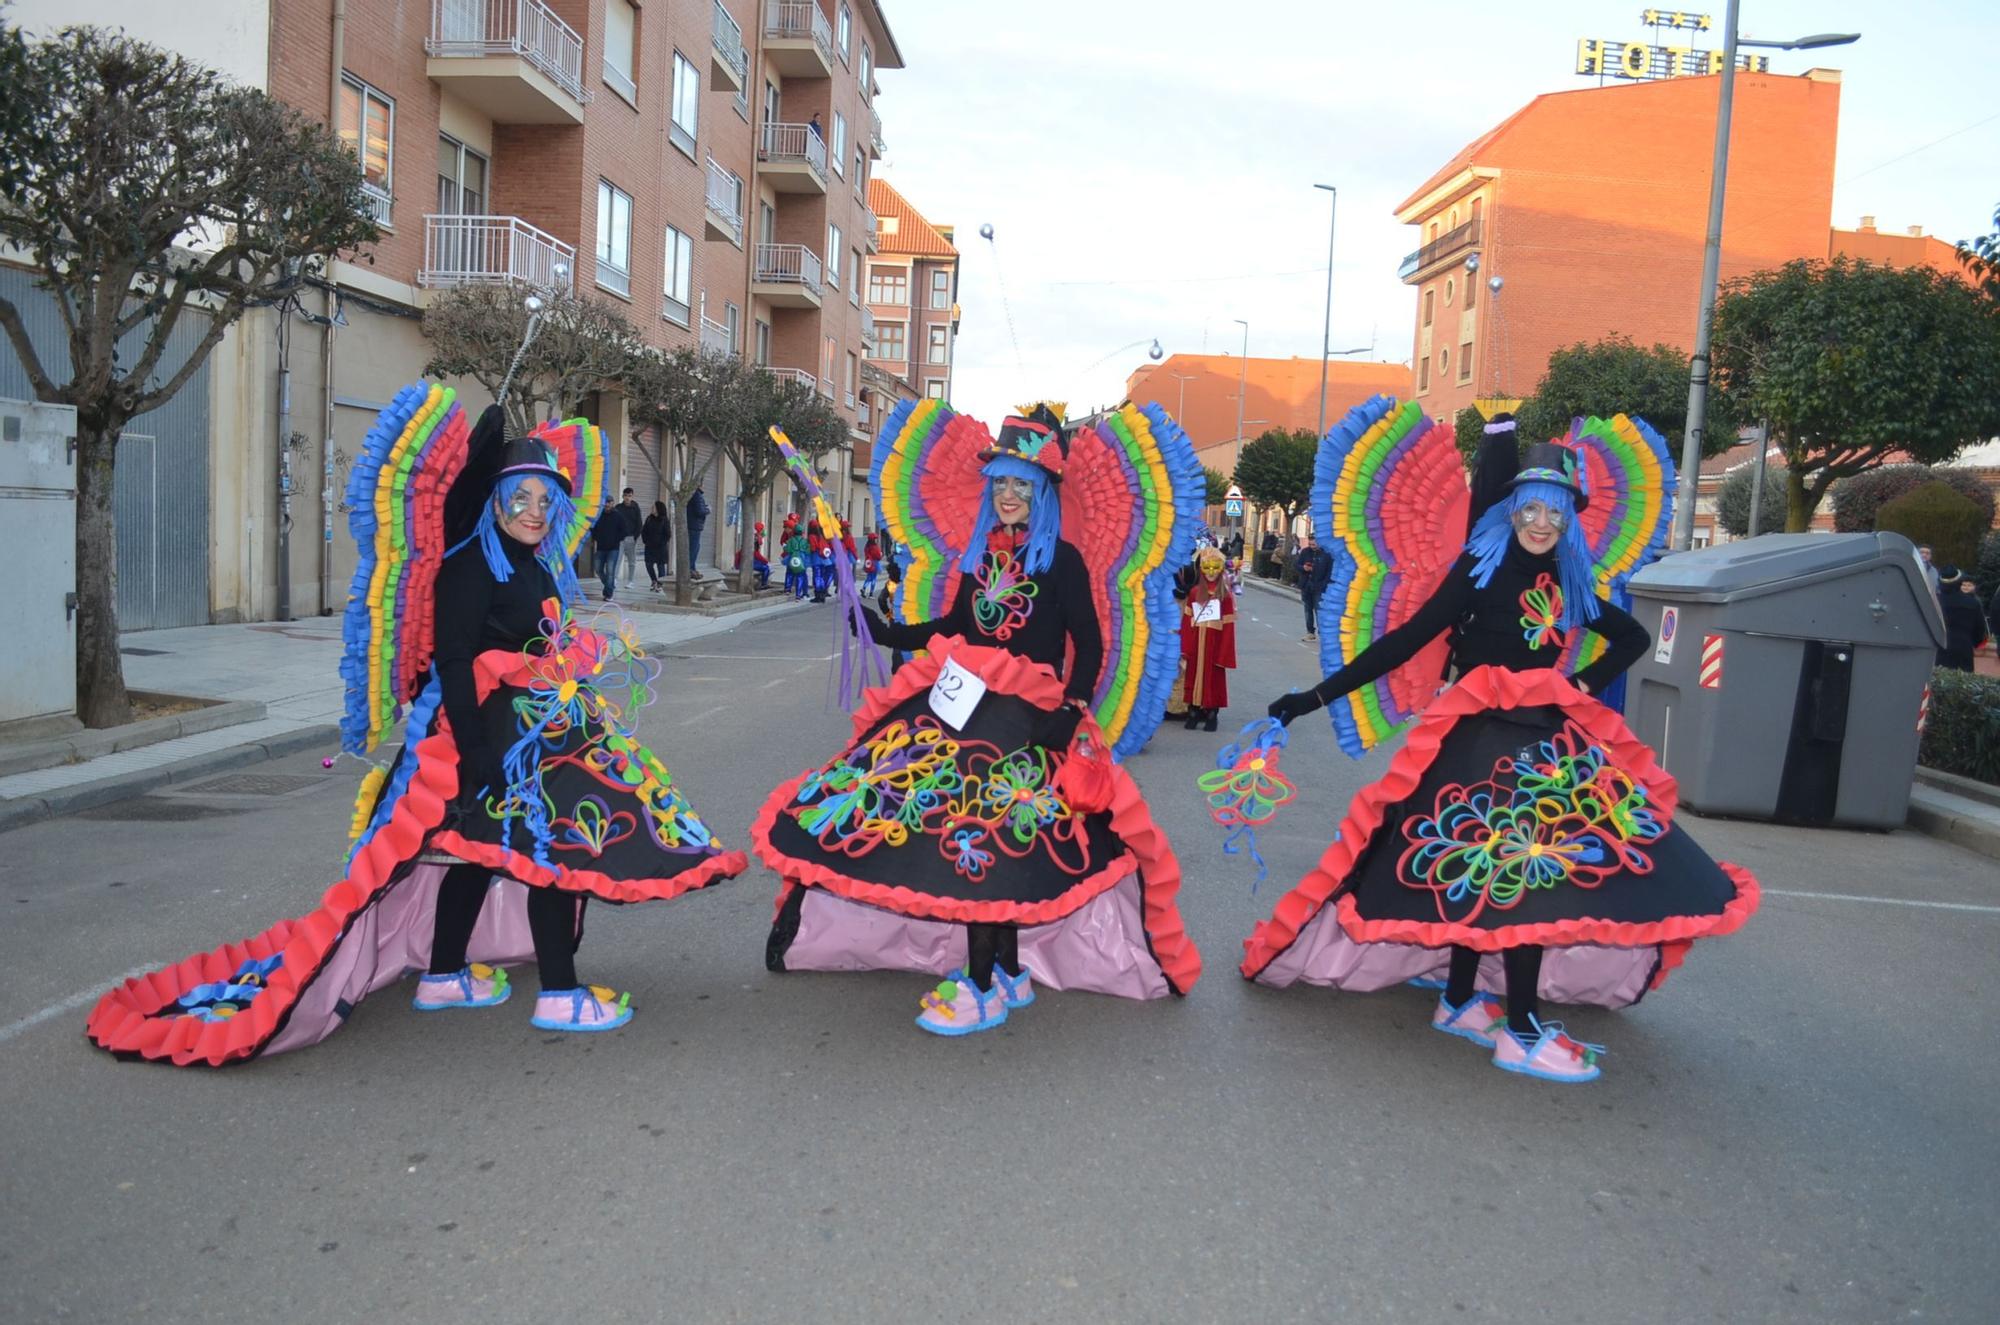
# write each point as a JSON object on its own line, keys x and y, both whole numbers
{"x": 160, "y": 494}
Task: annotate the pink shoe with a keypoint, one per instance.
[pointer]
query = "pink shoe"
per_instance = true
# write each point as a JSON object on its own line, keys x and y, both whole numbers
{"x": 586, "y": 1008}
{"x": 1018, "y": 990}
{"x": 1478, "y": 1019}
{"x": 474, "y": 986}
{"x": 958, "y": 1007}
{"x": 1551, "y": 1055}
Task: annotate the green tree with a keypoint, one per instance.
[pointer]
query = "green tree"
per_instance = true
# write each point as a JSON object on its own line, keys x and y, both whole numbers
{"x": 144, "y": 189}
{"x": 1858, "y": 500}
{"x": 1218, "y": 486}
{"x": 1732, "y": 502}
{"x": 1851, "y": 363}
{"x": 1615, "y": 376}
{"x": 580, "y": 343}
{"x": 1277, "y": 470}
{"x": 1982, "y": 258}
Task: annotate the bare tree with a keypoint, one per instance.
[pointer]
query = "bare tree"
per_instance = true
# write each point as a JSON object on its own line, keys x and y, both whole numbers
{"x": 749, "y": 402}
{"x": 672, "y": 394}
{"x": 145, "y": 189}
{"x": 580, "y": 343}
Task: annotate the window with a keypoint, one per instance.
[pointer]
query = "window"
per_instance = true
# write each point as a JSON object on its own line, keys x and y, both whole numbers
{"x": 771, "y": 102}
{"x": 860, "y": 173}
{"x": 732, "y": 318}
{"x": 1465, "y": 359}
{"x": 1424, "y": 374}
{"x": 687, "y": 104}
{"x": 833, "y": 245}
{"x": 368, "y": 125}
{"x": 888, "y": 285}
{"x": 762, "y": 349}
{"x": 844, "y": 31}
{"x": 1434, "y": 230}
{"x": 1478, "y": 206}
{"x": 680, "y": 277}
{"x": 461, "y": 179}
{"x": 767, "y": 223}
{"x": 1430, "y": 297}
{"x": 940, "y": 349}
{"x": 838, "y": 154}
{"x": 614, "y": 238}
{"x": 1449, "y": 287}
{"x": 621, "y": 43}
{"x": 1471, "y": 291}
{"x": 892, "y": 341}
{"x": 854, "y": 276}
{"x": 853, "y": 371}
{"x": 827, "y": 350}
{"x": 941, "y": 288}
{"x": 934, "y": 387}
{"x": 1444, "y": 360}
{"x": 867, "y": 72}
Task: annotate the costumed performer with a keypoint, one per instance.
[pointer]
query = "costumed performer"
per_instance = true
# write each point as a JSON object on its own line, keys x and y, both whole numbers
{"x": 976, "y": 826}
{"x": 1521, "y": 814}
{"x": 520, "y": 789}
{"x": 1208, "y": 641}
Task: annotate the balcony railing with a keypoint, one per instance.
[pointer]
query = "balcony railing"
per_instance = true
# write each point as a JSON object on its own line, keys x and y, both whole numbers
{"x": 792, "y": 143}
{"x": 861, "y": 415}
{"x": 796, "y": 19}
{"x": 484, "y": 250}
{"x": 799, "y": 375}
{"x": 788, "y": 264}
{"x": 871, "y": 229}
{"x": 527, "y": 28}
{"x": 725, "y": 200}
{"x": 716, "y": 337}
{"x": 728, "y": 38}
{"x": 826, "y": 387}
{"x": 867, "y": 328}
{"x": 1444, "y": 246}
{"x": 875, "y": 131}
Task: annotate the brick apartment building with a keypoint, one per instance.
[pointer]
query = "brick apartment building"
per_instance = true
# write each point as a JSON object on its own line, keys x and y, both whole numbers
{"x": 702, "y": 164}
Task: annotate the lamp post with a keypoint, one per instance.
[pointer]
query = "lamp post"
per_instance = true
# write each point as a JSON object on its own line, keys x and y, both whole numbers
{"x": 1711, "y": 260}
{"x": 1180, "y": 411}
{"x": 1326, "y": 325}
{"x": 1242, "y": 387}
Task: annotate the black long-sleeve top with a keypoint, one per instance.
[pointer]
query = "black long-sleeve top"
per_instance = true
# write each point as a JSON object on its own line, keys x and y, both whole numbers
{"x": 1060, "y": 613}
{"x": 1498, "y": 625}
{"x": 476, "y": 612}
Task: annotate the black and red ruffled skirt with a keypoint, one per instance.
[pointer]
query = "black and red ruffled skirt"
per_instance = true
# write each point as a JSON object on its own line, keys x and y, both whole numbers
{"x": 916, "y": 830}
{"x": 617, "y": 829}
{"x": 1518, "y": 811}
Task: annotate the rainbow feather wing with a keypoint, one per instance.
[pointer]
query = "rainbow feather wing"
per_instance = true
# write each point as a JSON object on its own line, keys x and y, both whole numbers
{"x": 580, "y": 453}
{"x": 1631, "y": 481}
{"x": 1389, "y": 496}
{"x": 395, "y": 497}
{"x": 924, "y": 482}
{"x": 1132, "y": 498}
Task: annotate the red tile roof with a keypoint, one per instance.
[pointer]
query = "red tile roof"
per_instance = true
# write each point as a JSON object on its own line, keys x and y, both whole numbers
{"x": 913, "y": 236}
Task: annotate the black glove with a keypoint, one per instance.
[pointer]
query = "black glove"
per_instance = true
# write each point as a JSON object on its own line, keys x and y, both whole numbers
{"x": 1286, "y": 708}
{"x": 1055, "y": 729}
{"x": 876, "y": 627}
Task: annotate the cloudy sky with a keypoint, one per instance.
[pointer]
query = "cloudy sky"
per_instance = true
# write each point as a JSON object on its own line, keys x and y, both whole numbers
{"x": 1147, "y": 168}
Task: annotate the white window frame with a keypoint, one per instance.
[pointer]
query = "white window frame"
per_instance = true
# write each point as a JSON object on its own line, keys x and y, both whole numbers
{"x": 383, "y": 194}
{"x": 678, "y": 280}
{"x": 866, "y": 72}
{"x": 889, "y": 272}
{"x": 934, "y": 388}
{"x": 684, "y": 112}
{"x": 844, "y": 32}
{"x": 608, "y": 197}
{"x": 625, "y": 82}
{"x": 834, "y": 239}
{"x": 854, "y": 277}
{"x": 837, "y": 152}
{"x": 937, "y": 350}
{"x": 941, "y": 298}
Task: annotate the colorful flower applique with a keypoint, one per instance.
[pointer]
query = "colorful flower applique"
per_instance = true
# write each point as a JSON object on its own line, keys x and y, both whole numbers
{"x": 1002, "y": 595}
{"x": 1541, "y": 614}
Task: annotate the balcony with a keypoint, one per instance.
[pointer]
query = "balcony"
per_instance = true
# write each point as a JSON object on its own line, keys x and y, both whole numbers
{"x": 871, "y": 238}
{"x": 875, "y": 147}
{"x": 861, "y": 416}
{"x": 512, "y": 59}
{"x": 867, "y": 331}
{"x": 798, "y": 41}
{"x": 787, "y": 276}
{"x": 1445, "y": 247}
{"x": 794, "y": 157}
{"x": 491, "y": 250}
{"x": 728, "y": 62}
{"x": 725, "y": 203}
{"x": 716, "y": 338}
{"x": 798, "y": 375}
{"x": 826, "y": 387}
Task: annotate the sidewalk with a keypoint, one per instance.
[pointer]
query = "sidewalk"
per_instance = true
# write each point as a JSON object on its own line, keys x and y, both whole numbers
{"x": 1952, "y": 809}
{"x": 291, "y": 668}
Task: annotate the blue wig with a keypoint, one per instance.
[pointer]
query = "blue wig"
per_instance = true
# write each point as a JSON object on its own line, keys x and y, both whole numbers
{"x": 551, "y": 551}
{"x": 1044, "y": 516}
{"x": 1575, "y": 571}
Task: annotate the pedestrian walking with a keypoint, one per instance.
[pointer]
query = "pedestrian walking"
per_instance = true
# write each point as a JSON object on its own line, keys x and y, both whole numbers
{"x": 1964, "y": 623}
{"x": 606, "y": 537}
{"x": 658, "y": 536}
{"x": 697, "y": 520}
{"x": 1314, "y": 567}
{"x": 635, "y": 523}
{"x": 871, "y": 566}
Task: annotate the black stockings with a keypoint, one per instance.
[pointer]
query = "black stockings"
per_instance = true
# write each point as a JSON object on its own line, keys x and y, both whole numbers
{"x": 552, "y": 920}
{"x": 987, "y": 944}
{"x": 1523, "y": 968}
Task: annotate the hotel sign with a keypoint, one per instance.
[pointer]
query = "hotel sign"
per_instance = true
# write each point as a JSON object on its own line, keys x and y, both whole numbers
{"x": 1661, "y": 57}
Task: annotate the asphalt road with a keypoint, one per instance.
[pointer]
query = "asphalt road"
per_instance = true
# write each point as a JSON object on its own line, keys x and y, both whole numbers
{"x": 1800, "y": 1126}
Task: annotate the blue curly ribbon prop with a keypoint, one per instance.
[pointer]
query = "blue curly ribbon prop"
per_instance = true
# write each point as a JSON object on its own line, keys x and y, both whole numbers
{"x": 1246, "y": 788}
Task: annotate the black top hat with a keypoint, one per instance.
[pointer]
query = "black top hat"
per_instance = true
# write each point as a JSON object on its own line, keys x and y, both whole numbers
{"x": 1552, "y": 462}
{"x": 490, "y": 455}
{"x": 1036, "y": 437}
{"x": 530, "y": 455}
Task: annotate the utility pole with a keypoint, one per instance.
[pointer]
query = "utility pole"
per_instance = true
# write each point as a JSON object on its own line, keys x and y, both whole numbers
{"x": 1326, "y": 326}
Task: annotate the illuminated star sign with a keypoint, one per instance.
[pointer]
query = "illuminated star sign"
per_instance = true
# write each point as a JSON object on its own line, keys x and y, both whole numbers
{"x": 1675, "y": 18}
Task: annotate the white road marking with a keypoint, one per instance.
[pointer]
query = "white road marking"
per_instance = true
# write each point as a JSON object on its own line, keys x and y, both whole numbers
{"x": 1884, "y": 901}
{"x": 70, "y": 1004}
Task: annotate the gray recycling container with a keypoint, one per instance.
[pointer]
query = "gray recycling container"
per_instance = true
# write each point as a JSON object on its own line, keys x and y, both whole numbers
{"x": 1786, "y": 675}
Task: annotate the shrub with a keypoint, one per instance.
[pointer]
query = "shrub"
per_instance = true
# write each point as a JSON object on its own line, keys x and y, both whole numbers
{"x": 1934, "y": 515}
{"x": 1962, "y": 735}
{"x": 1986, "y": 574}
{"x": 1732, "y": 503}
{"x": 1857, "y": 500}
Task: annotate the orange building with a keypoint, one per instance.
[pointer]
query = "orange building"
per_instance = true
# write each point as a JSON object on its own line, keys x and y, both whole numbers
{"x": 1911, "y": 248}
{"x": 1591, "y": 208}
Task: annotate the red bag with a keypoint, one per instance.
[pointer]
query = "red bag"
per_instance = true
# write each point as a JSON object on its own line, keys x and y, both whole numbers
{"x": 1085, "y": 780}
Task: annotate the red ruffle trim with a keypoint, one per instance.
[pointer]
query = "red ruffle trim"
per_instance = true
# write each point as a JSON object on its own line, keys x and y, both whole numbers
{"x": 1481, "y": 689}
{"x": 1147, "y": 851}
{"x": 124, "y": 1020}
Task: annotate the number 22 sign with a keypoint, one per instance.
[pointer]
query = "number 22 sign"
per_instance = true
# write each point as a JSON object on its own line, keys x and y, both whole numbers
{"x": 954, "y": 695}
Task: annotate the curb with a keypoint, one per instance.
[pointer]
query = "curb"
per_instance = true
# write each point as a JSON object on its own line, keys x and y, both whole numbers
{"x": 1958, "y": 820}
{"x": 88, "y": 795}
{"x": 78, "y": 747}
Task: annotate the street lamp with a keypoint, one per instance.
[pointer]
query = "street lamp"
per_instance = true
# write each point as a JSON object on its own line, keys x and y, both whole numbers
{"x": 1711, "y": 260}
{"x": 1326, "y": 325}
{"x": 1242, "y": 387}
{"x": 1180, "y": 413}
